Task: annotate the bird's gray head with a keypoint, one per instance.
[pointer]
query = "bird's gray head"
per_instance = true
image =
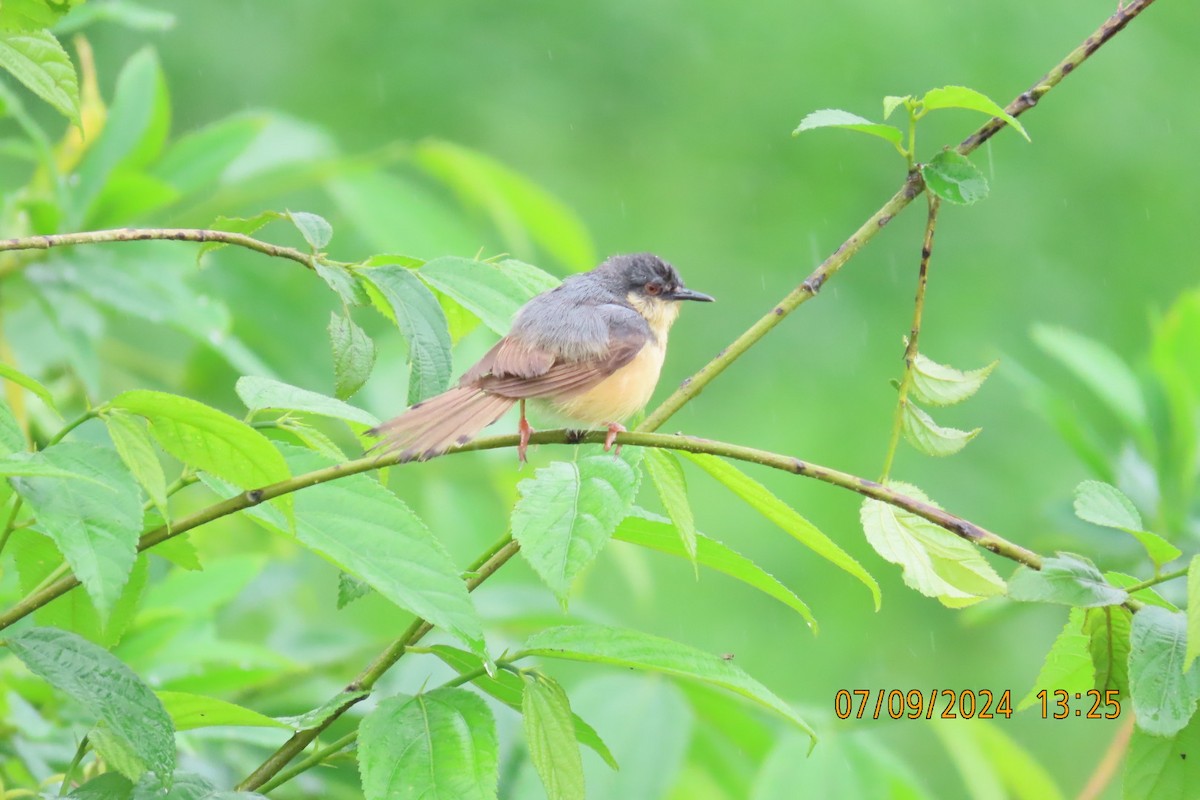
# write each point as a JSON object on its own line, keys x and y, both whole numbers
{"x": 645, "y": 276}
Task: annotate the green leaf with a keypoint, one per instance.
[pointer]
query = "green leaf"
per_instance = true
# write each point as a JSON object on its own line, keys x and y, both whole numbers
{"x": 198, "y": 159}
{"x": 1193, "y": 613}
{"x": 656, "y": 533}
{"x": 312, "y": 438}
{"x": 106, "y": 688}
{"x": 107, "y": 786}
{"x": 836, "y": 118}
{"x": 1102, "y": 504}
{"x": 520, "y": 209}
{"x": 509, "y": 689}
{"x": 206, "y": 438}
{"x": 28, "y": 15}
{"x": 550, "y": 737}
{"x": 353, "y": 355}
{"x": 486, "y": 290}
{"x": 439, "y": 744}
{"x": 261, "y": 394}
{"x": 36, "y": 59}
{"x": 1163, "y": 767}
{"x": 343, "y": 281}
{"x": 962, "y": 97}
{"x": 1146, "y": 595}
{"x": 131, "y": 15}
{"x": 938, "y": 385}
{"x": 11, "y": 373}
{"x": 1068, "y": 664}
{"x": 12, "y": 439}
{"x": 1164, "y": 695}
{"x": 1104, "y": 373}
{"x": 780, "y": 513}
{"x": 934, "y": 561}
{"x": 1066, "y": 579}
{"x": 534, "y": 279}
{"x": 952, "y": 177}
{"x": 191, "y": 711}
{"x": 608, "y": 645}
{"x": 568, "y": 511}
{"x": 930, "y": 438}
{"x": 1019, "y": 772}
{"x": 95, "y": 522}
{"x": 243, "y": 225}
{"x": 892, "y": 102}
{"x": 1107, "y": 629}
{"x": 422, "y": 323}
{"x": 667, "y": 476}
{"x": 350, "y": 589}
{"x": 316, "y": 716}
{"x": 313, "y": 227}
{"x": 137, "y": 451}
{"x": 33, "y": 465}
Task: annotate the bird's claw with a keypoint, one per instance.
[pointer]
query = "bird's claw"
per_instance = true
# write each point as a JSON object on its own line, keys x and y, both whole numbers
{"x": 613, "y": 429}
{"x": 526, "y": 430}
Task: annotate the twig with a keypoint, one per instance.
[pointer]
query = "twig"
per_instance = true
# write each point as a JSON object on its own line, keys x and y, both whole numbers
{"x": 313, "y": 760}
{"x": 910, "y": 350}
{"x": 1107, "y": 766}
{"x": 1157, "y": 579}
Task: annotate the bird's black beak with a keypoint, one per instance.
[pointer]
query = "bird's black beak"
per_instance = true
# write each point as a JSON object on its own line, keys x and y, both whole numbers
{"x": 683, "y": 293}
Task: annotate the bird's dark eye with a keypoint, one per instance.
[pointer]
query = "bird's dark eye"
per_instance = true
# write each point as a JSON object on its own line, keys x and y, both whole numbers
{"x": 653, "y": 288}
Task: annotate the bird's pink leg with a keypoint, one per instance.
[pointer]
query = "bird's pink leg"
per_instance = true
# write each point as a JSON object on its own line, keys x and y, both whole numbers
{"x": 525, "y": 430}
{"x": 613, "y": 429}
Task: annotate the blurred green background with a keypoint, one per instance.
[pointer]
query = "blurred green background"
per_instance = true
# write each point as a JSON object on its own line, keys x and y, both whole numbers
{"x": 665, "y": 125}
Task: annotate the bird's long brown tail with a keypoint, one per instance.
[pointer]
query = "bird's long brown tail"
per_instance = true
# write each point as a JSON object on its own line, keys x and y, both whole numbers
{"x": 433, "y": 426}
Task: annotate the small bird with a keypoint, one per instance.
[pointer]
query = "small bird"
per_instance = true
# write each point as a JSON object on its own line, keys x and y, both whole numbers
{"x": 589, "y": 351}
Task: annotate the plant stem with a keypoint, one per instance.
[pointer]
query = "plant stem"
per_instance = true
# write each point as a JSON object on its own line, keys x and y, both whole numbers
{"x": 1157, "y": 579}
{"x": 80, "y": 752}
{"x": 11, "y": 523}
{"x": 910, "y": 349}
{"x": 912, "y": 187}
{"x": 316, "y": 758}
{"x": 70, "y": 426}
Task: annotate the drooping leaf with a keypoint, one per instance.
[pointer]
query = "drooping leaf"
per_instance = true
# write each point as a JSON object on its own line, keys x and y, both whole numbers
{"x": 266, "y": 393}
{"x": 930, "y": 438}
{"x": 1163, "y": 767}
{"x": 94, "y": 522}
{"x": 1104, "y": 373}
{"x": 836, "y": 118}
{"x": 315, "y": 229}
{"x": 608, "y": 645}
{"x": 550, "y": 737}
{"x": 647, "y": 530}
{"x": 938, "y": 385}
{"x": 1102, "y": 504}
{"x": 353, "y": 355}
{"x": 891, "y": 102}
{"x": 1068, "y": 664}
{"x": 568, "y": 511}
{"x": 667, "y": 476}
{"x": 486, "y": 290}
{"x": 934, "y": 561}
{"x": 963, "y": 97}
{"x": 36, "y": 59}
{"x": 438, "y": 744}
{"x": 137, "y": 451}
{"x": 952, "y": 177}
{"x": 422, "y": 323}
{"x": 764, "y": 502}
{"x": 1066, "y": 579}
{"x": 11, "y": 373}
{"x": 191, "y": 711}
{"x": 1107, "y": 629}
{"x": 1164, "y": 695}
{"x": 106, "y": 688}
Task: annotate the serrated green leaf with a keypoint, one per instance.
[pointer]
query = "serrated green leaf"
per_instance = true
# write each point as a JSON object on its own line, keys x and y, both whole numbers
{"x": 32, "y": 465}
{"x": 108, "y": 690}
{"x": 535, "y": 279}
{"x": 315, "y": 229}
{"x": 1065, "y": 579}
{"x": 1163, "y": 767}
{"x": 667, "y": 476}
{"x": 439, "y": 744}
{"x": 938, "y": 385}
{"x": 1164, "y": 695}
{"x": 243, "y": 225}
{"x": 95, "y": 523}
{"x": 930, "y": 438}
{"x": 36, "y": 59}
{"x": 191, "y": 711}
{"x": 1107, "y": 629}
{"x": 951, "y": 176}
{"x": 313, "y": 439}
{"x": 1101, "y": 504}
{"x": 1104, "y": 373}
{"x": 314, "y": 717}
{"x": 1193, "y": 613}
{"x": 568, "y": 511}
{"x": 550, "y": 737}
{"x": 12, "y": 438}
{"x": 891, "y": 102}
{"x": 350, "y": 589}
{"x": 934, "y": 561}
{"x": 11, "y": 373}
{"x": 509, "y": 689}
{"x": 520, "y": 209}
{"x": 353, "y": 355}
{"x": 260, "y": 394}
{"x": 608, "y": 645}
{"x": 836, "y": 118}
{"x": 137, "y": 451}
{"x": 484, "y": 289}
{"x": 198, "y": 159}
{"x": 415, "y": 310}
{"x": 646, "y": 530}
{"x": 1068, "y": 664}
{"x": 764, "y": 502}
{"x": 107, "y": 786}
{"x": 962, "y": 97}
{"x": 344, "y": 281}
